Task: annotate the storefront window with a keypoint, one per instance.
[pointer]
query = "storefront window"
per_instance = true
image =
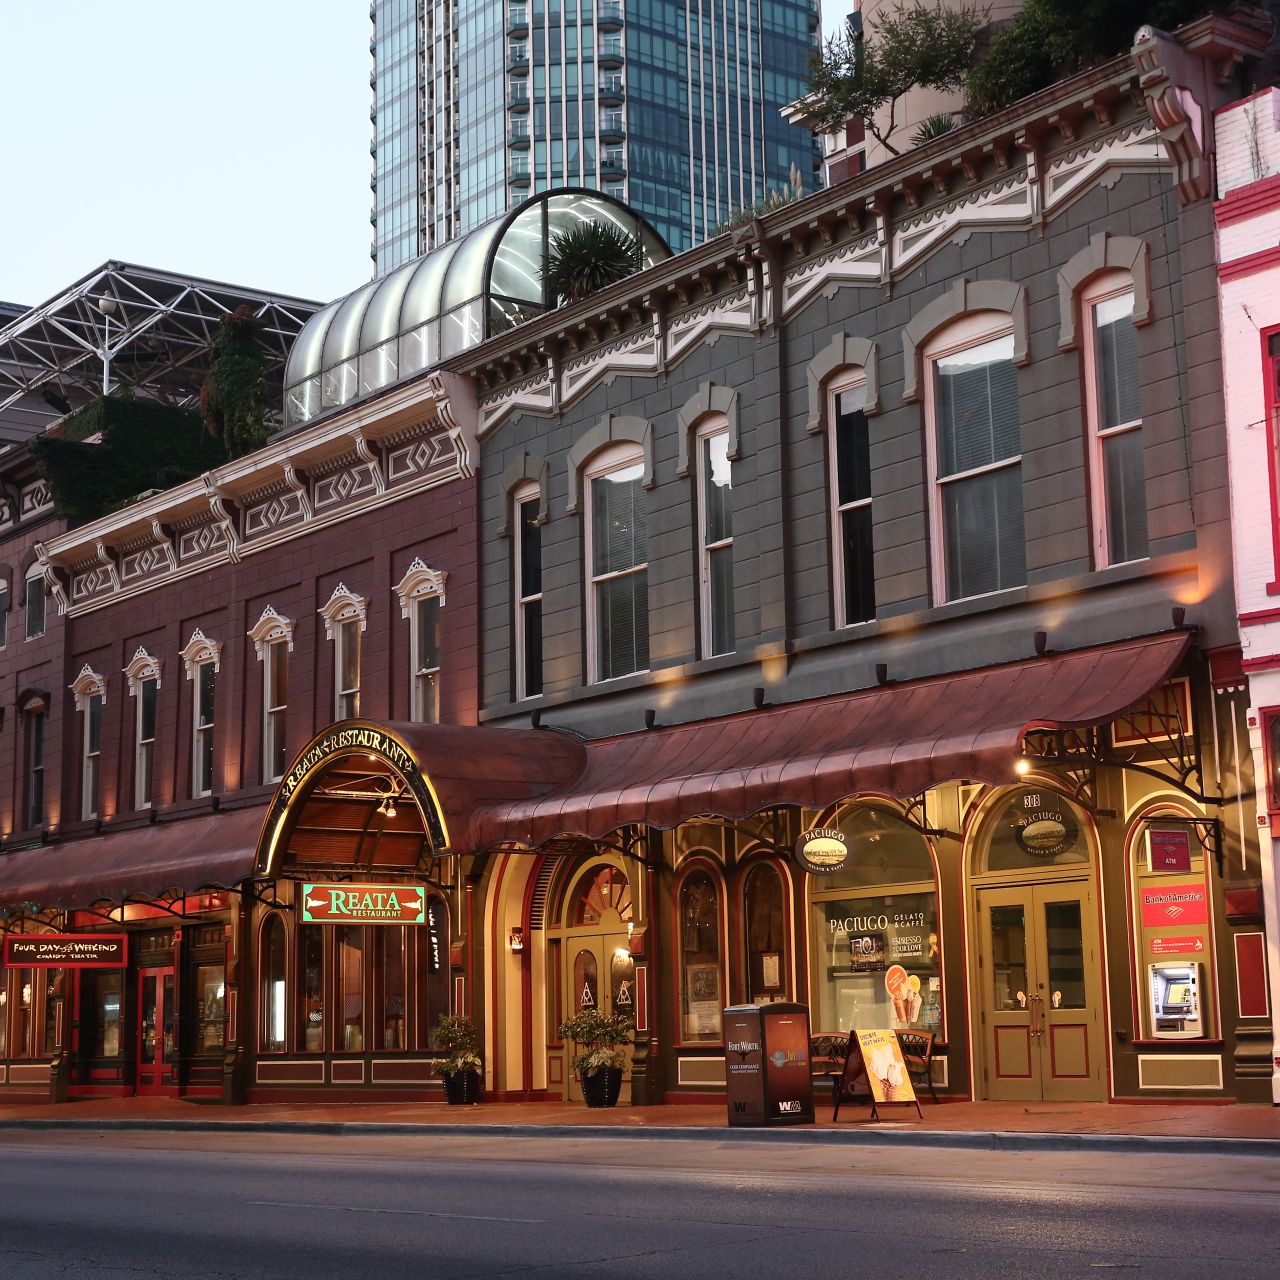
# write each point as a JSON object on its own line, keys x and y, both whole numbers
{"x": 211, "y": 999}
{"x": 1035, "y": 828}
{"x": 311, "y": 951}
{"x": 765, "y": 922}
{"x": 699, "y": 935}
{"x": 51, "y": 979}
{"x": 351, "y": 971}
{"x": 875, "y": 931}
{"x": 22, "y": 1040}
{"x": 274, "y": 1003}
{"x": 586, "y": 982}
{"x": 390, "y": 952}
{"x": 4, "y": 1014}
{"x": 100, "y": 993}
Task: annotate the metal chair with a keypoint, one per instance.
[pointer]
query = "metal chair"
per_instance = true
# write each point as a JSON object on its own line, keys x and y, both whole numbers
{"x": 917, "y": 1054}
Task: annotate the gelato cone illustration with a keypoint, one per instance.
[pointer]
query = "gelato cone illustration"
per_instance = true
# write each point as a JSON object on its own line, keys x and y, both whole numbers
{"x": 886, "y": 1069}
{"x": 898, "y": 985}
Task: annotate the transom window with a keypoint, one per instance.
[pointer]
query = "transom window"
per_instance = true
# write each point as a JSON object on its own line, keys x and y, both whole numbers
{"x": 528, "y": 603}
{"x": 1115, "y": 413}
{"x": 850, "y": 461}
{"x": 607, "y": 890}
{"x": 618, "y": 556}
{"x": 715, "y": 492}
{"x": 975, "y": 432}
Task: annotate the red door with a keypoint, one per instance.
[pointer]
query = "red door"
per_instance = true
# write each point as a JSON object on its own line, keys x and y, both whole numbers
{"x": 157, "y": 1032}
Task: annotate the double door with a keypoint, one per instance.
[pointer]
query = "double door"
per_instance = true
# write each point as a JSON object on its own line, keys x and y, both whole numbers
{"x": 157, "y": 1047}
{"x": 600, "y": 975}
{"x": 1040, "y": 984}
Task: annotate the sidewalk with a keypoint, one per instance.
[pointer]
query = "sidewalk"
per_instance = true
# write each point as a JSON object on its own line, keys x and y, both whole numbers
{"x": 1236, "y": 1128}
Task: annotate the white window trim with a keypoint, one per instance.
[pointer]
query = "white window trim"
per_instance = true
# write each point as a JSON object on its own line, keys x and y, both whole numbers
{"x": 143, "y": 667}
{"x": 529, "y": 491}
{"x": 34, "y": 574}
{"x": 618, "y": 457}
{"x": 199, "y": 652}
{"x": 4, "y": 614}
{"x": 851, "y": 380}
{"x": 87, "y": 686}
{"x": 417, "y": 708}
{"x": 272, "y": 628}
{"x": 715, "y": 425}
{"x": 1102, "y": 288}
{"x": 962, "y": 334}
{"x": 342, "y": 607}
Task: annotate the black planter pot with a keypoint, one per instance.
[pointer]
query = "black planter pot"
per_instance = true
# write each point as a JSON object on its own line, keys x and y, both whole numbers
{"x": 603, "y": 1087}
{"x": 462, "y": 1089}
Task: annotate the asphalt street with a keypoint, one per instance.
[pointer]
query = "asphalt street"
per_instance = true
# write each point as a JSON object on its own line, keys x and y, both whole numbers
{"x": 205, "y": 1205}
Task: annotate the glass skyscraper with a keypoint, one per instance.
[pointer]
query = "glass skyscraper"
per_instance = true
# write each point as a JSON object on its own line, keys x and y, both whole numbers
{"x": 670, "y": 105}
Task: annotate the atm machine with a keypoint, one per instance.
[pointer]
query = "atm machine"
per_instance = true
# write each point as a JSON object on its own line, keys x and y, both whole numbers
{"x": 1176, "y": 1012}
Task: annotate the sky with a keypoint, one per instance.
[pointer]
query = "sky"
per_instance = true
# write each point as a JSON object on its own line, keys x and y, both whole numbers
{"x": 228, "y": 140}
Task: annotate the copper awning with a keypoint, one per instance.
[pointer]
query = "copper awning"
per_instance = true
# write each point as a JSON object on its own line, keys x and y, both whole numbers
{"x": 212, "y": 851}
{"x": 899, "y": 740}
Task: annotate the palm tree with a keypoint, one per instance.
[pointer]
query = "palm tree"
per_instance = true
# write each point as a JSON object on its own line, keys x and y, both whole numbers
{"x": 588, "y": 257}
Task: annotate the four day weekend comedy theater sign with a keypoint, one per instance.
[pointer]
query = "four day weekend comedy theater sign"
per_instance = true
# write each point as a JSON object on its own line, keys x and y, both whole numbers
{"x": 65, "y": 951}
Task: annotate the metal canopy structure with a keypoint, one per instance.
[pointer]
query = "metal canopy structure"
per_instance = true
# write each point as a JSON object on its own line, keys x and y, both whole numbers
{"x": 124, "y": 324}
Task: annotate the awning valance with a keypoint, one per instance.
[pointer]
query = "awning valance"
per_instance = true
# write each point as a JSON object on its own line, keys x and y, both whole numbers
{"x": 897, "y": 740}
{"x": 212, "y": 851}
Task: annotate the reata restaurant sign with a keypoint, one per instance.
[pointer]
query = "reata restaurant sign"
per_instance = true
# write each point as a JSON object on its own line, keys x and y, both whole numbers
{"x": 66, "y": 951}
{"x": 364, "y": 904}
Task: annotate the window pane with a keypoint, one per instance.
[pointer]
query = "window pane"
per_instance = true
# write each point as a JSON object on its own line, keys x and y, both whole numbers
{"x": 94, "y": 742}
{"x": 351, "y": 969}
{"x": 211, "y": 999}
{"x": 532, "y": 648}
{"x": 51, "y": 979}
{"x": 312, "y": 949}
{"x": 1064, "y": 940}
{"x": 1116, "y": 345}
{"x": 977, "y": 407}
{"x": 853, "y": 457}
{"x": 208, "y": 679}
{"x": 350, "y": 644}
{"x": 147, "y": 710}
{"x": 986, "y": 547}
{"x": 622, "y": 625}
{"x": 1126, "y": 476}
{"x": 618, "y": 526}
{"x": 428, "y": 656}
{"x": 717, "y": 488}
{"x": 721, "y": 573}
{"x": 699, "y": 926}
{"x": 859, "y": 565}
{"x": 391, "y": 971}
{"x": 278, "y": 657}
{"x": 35, "y": 607}
{"x": 1009, "y": 957}
{"x": 273, "y": 992}
{"x": 101, "y": 998}
{"x": 530, "y": 549}
{"x": 765, "y": 925}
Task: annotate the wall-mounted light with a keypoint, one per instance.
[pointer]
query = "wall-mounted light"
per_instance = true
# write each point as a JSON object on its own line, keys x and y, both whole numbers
{"x": 1022, "y": 768}
{"x": 1040, "y": 640}
{"x": 516, "y": 940}
{"x": 882, "y": 673}
{"x": 1179, "y": 616}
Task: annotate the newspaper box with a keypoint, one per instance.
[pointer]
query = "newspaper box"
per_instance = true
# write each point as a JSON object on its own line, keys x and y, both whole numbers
{"x": 767, "y": 1079}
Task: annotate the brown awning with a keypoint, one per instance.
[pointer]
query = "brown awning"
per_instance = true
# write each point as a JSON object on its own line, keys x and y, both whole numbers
{"x": 898, "y": 740}
{"x": 213, "y": 851}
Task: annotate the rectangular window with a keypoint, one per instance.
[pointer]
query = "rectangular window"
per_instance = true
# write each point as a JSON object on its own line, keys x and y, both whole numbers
{"x": 1117, "y": 418}
{"x": 275, "y": 708}
{"x": 202, "y": 730}
{"x": 145, "y": 751}
{"x": 619, "y": 573}
{"x": 348, "y": 669}
{"x": 33, "y": 732}
{"x": 92, "y": 765}
{"x": 35, "y": 607}
{"x": 977, "y": 435}
{"x": 426, "y": 659}
{"x": 351, "y": 986}
{"x": 853, "y": 559}
{"x": 528, "y": 597}
{"x": 4, "y": 615}
{"x": 715, "y": 491}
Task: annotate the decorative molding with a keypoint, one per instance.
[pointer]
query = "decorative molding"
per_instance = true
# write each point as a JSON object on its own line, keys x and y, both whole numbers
{"x": 858, "y": 262}
{"x": 709, "y": 398}
{"x": 733, "y": 313}
{"x": 610, "y": 429}
{"x": 843, "y": 352}
{"x": 1169, "y": 76}
{"x": 199, "y": 650}
{"x": 33, "y": 499}
{"x": 343, "y": 606}
{"x": 271, "y": 628}
{"x": 419, "y": 581}
{"x": 964, "y": 297}
{"x": 142, "y": 666}
{"x": 88, "y": 684}
{"x": 528, "y": 466}
{"x": 1104, "y": 252}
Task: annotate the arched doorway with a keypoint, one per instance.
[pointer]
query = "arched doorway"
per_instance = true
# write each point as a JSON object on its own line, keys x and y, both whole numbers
{"x": 1036, "y": 970}
{"x": 597, "y": 971}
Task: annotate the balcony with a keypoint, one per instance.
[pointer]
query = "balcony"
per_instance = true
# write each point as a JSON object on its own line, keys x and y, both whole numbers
{"x": 815, "y": 14}
{"x": 611, "y": 126}
{"x": 519, "y": 175}
{"x": 610, "y": 54}
{"x": 518, "y": 57}
{"x": 518, "y": 133}
{"x": 609, "y": 16}
{"x": 517, "y": 20}
{"x": 609, "y": 91}
{"x": 612, "y": 163}
{"x": 517, "y": 96}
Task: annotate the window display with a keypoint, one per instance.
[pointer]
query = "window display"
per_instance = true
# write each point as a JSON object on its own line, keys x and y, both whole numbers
{"x": 311, "y": 949}
{"x": 765, "y": 925}
{"x": 700, "y": 958}
{"x": 211, "y": 999}
{"x": 273, "y": 1001}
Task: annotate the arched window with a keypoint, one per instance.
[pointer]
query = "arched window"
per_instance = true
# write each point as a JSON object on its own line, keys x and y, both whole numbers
{"x": 874, "y": 929}
{"x": 617, "y": 556}
{"x": 698, "y": 939}
{"x": 607, "y": 890}
{"x": 974, "y": 445}
{"x": 273, "y": 1002}
{"x": 765, "y": 925}
{"x": 1034, "y": 828}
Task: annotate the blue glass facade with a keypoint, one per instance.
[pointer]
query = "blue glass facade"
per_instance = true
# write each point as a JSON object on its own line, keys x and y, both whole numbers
{"x": 670, "y": 105}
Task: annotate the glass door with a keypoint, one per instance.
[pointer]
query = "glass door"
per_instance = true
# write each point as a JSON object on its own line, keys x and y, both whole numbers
{"x": 600, "y": 975}
{"x": 157, "y": 1032}
{"x": 1040, "y": 994}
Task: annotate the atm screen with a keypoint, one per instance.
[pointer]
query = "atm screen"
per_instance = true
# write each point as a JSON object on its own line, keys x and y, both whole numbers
{"x": 1179, "y": 994}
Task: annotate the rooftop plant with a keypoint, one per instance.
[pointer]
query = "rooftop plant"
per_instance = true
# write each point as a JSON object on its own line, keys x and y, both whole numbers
{"x": 588, "y": 258}
{"x": 233, "y": 399}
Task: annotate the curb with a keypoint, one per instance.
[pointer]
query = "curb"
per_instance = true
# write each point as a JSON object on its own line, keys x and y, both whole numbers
{"x": 1102, "y": 1143}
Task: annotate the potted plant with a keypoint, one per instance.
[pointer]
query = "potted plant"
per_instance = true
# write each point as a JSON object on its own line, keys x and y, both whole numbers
{"x": 454, "y": 1035}
{"x": 601, "y": 1038}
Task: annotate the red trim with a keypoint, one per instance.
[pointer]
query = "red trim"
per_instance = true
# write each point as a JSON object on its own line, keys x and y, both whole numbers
{"x": 1249, "y": 265}
{"x": 1240, "y": 102}
{"x": 1245, "y": 202}
{"x": 1259, "y": 616}
{"x": 1266, "y": 663}
{"x": 1269, "y": 390}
